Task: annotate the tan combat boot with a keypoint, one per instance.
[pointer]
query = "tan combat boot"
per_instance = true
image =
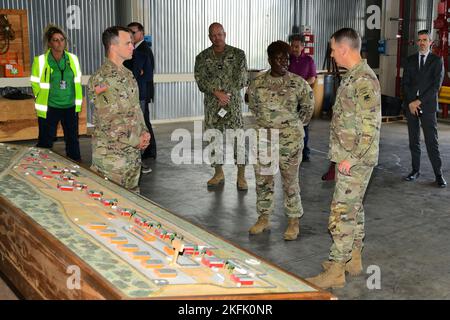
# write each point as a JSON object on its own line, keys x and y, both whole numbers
{"x": 333, "y": 277}
{"x": 353, "y": 267}
{"x": 241, "y": 182}
{"x": 292, "y": 230}
{"x": 218, "y": 178}
{"x": 261, "y": 225}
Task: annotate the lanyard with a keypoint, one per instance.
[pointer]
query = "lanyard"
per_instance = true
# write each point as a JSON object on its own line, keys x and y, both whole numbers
{"x": 65, "y": 66}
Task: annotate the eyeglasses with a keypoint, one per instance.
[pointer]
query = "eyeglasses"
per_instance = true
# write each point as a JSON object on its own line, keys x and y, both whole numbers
{"x": 281, "y": 59}
{"x": 58, "y": 40}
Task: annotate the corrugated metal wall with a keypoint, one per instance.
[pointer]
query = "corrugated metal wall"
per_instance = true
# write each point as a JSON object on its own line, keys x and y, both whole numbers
{"x": 85, "y": 42}
{"x": 325, "y": 17}
{"x": 420, "y": 17}
{"x": 424, "y": 14}
{"x": 180, "y": 31}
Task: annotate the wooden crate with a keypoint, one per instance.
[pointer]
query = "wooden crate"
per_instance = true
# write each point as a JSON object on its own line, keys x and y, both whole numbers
{"x": 18, "y": 120}
{"x": 21, "y": 44}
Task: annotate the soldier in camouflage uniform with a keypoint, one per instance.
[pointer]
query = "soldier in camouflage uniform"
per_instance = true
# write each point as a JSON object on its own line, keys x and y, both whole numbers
{"x": 354, "y": 147}
{"x": 120, "y": 132}
{"x": 221, "y": 74}
{"x": 273, "y": 98}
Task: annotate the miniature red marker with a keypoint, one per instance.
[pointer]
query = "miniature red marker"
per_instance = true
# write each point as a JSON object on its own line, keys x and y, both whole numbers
{"x": 109, "y": 202}
{"x": 213, "y": 262}
{"x": 81, "y": 186}
{"x": 243, "y": 280}
{"x": 65, "y": 188}
{"x": 95, "y": 194}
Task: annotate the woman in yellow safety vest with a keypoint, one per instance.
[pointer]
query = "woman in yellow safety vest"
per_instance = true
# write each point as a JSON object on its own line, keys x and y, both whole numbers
{"x": 56, "y": 82}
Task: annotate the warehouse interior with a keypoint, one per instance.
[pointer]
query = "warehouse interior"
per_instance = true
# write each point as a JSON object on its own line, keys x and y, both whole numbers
{"x": 405, "y": 255}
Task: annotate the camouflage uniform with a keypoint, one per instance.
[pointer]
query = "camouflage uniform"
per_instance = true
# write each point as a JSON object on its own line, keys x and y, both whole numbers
{"x": 119, "y": 124}
{"x": 228, "y": 73}
{"x": 274, "y": 103}
{"x": 354, "y": 136}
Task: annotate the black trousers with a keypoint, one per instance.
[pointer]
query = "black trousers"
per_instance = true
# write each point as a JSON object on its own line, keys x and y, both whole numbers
{"x": 48, "y": 128}
{"x": 306, "y": 150}
{"x": 150, "y": 152}
{"x": 428, "y": 121}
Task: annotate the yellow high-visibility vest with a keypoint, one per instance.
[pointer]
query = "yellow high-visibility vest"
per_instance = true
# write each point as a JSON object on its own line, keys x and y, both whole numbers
{"x": 40, "y": 82}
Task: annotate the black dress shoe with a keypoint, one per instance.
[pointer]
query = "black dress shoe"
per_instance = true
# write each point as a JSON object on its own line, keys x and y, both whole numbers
{"x": 441, "y": 182}
{"x": 413, "y": 176}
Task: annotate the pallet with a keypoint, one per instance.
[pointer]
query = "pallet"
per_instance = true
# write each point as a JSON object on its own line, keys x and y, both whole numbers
{"x": 387, "y": 119}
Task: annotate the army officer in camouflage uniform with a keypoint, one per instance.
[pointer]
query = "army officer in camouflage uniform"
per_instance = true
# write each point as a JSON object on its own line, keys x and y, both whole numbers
{"x": 120, "y": 132}
{"x": 273, "y": 99}
{"x": 354, "y": 147}
{"x": 221, "y": 74}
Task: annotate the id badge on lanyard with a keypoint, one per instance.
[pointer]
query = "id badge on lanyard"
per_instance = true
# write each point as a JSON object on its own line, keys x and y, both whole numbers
{"x": 63, "y": 83}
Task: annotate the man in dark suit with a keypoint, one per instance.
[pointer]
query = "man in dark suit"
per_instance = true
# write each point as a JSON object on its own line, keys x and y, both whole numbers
{"x": 145, "y": 82}
{"x": 422, "y": 80}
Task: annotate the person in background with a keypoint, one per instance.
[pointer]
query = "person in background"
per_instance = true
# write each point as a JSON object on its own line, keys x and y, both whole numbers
{"x": 422, "y": 80}
{"x": 146, "y": 86}
{"x": 56, "y": 83}
{"x": 302, "y": 65}
{"x": 142, "y": 66}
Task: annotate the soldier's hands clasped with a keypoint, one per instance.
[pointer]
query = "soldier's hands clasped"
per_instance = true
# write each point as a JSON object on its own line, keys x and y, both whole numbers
{"x": 223, "y": 97}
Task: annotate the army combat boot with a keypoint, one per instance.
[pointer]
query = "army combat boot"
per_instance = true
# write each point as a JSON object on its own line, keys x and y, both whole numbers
{"x": 353, "y": 267}
{"x": 333, "y": 277}
{"x": 218, "y": 178}
{"x": 261, "y": 225}
{"x": 293, "y": 229}
{"x": 241, "y": 182}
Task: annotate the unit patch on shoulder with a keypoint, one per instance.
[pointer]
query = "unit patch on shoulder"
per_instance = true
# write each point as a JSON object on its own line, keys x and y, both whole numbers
{"x": 365, "y": 94}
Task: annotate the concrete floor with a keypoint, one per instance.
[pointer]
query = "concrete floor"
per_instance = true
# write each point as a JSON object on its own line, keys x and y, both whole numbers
{"x": 407, "y": 224}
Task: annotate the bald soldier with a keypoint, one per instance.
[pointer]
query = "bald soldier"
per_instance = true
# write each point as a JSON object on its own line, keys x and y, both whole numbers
{"x": 354, "y": 147}
{"x": 274, "y": 97}
{"x": 221, "y": 74}
{"x": 120, "y": 132}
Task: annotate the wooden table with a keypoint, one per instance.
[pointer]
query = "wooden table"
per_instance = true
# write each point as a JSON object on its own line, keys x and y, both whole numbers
{"x": 99, "y": 241}
{"x": 18, "y": 120}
